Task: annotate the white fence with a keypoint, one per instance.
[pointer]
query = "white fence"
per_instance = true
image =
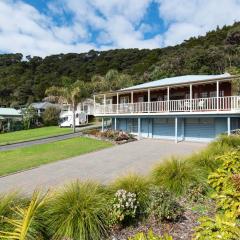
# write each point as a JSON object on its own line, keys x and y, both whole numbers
{"x": 231, "y": 103}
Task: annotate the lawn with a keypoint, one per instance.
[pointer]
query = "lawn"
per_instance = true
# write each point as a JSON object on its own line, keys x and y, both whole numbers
{"x": 33, "y": 156}
{"x": 32, "y": 134}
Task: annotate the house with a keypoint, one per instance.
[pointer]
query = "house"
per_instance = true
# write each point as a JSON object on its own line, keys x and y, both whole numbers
{"x": 192, "y": 107}
{"x": 7, "y": 117}
{"x": 42, "y": 106}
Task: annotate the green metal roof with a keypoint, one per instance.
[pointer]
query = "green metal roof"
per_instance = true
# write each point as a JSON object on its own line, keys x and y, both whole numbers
{"x": 9, "y": 112}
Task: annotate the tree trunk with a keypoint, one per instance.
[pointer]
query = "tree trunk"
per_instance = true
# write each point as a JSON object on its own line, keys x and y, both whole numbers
{"x": 74, "y": 128}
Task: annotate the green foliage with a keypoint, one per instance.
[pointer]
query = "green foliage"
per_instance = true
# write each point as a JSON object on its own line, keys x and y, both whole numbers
{"x": 150, "y": 236}
{"x": 163, "y": 205}
{"x": 124, "y": 207}
{"x": 26, "y": 223}
{"x": 176, "y": 175}
{"x": 197, "y": 192}
{"x": 29, "y": 117}
{"x": 70, "y": 94}
{"x": 78, "y": 211}
{"x": 227, "y": 196}
{"x": 7, "y": 203}
{"x": 225, "y": 225}
{"x": 135, "y": 184}
{"x": 220, "y": 227}
{"x": 23, "y": 81}
{"x": 51, "y": 116}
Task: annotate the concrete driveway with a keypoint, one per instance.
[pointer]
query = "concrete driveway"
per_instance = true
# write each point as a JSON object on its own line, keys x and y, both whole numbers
{"x": 104, "y": 165}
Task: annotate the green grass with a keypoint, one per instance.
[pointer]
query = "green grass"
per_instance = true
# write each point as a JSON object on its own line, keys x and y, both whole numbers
{"x": 33, "y": 156}
{"x": 32, "y": 134}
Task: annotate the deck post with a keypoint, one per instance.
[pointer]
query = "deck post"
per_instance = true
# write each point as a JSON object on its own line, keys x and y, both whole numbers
{"x": 115, "y": 124}
{"x": 139, "y": 128}
{"x": 104, "y": 103}
{"x": 168, "y": 98}
{"x": 191, "y": 97}
{"x": 94, "y": 104}
{"x": 102, "y": 124}
{"x": 117, "y": 101}
{"x": 183, "y": 129}
{"x": 149, "y": 99}
{"x": 217, "y": 94}
{"x": 229, "y": 126}
{"x": 132, "y": 102}
{"x": 176, "y": 130}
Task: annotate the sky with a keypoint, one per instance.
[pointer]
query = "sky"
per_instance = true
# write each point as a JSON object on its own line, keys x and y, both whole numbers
{"x": 45, "y": 27}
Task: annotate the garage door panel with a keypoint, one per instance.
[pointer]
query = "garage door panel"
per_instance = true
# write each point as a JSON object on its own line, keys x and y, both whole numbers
{"x": 163, "y": 128}
{"x": 199, "y": 128}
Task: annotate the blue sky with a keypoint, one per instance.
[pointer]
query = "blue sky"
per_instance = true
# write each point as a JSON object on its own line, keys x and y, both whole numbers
{"x": 44, "y": 27}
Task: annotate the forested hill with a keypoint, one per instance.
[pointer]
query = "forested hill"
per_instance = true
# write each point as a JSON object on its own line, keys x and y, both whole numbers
{"x": 24, "y": 81}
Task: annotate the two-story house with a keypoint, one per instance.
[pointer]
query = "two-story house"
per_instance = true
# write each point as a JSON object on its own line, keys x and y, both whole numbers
{"x": 192, "y": 107}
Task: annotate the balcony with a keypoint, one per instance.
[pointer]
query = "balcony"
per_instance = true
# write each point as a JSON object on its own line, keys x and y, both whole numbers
{"x": 229, "y": 104}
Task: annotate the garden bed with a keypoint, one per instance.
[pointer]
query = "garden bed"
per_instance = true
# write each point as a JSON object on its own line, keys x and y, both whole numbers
{"x": 117, "y": 137}
{"x": 197, "y": 198}
{"x": 182, "y": 228}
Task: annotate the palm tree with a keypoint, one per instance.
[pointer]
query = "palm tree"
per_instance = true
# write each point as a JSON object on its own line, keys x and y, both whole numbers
{"x": 70, "y": 94}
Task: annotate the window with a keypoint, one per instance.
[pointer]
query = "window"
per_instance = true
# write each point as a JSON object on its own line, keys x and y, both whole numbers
{"x": 140, "y": 99}
{"x": 221, "y": 93}
{"x": 187, "y": 96}
{"x": 213, "y": 94}
{"x": 203, "y": 94}
{"x": 108, "y": 101}
{"x": 124, "y": 100}
{"x": 195, "y": 95}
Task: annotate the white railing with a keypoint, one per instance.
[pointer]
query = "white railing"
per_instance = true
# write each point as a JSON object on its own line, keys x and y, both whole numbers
{"x": 231, "y": 103}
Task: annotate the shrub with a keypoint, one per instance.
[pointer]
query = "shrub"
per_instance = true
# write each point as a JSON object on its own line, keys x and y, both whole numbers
{"x": 135, "y": 184}
{"x": 225, "y": 225}
{"x": 220, "y": 227}
{"x": 197, "y": 192}
{"x": 26, "y": 222}
{"x": 79, "y": 211}
{"x": 51, "y": 116}
{"x": 164, "y": 206}
{"x": 233, "y": 141}
{"x": 150, "y": 236}
{"x": 227, "y": 195}
{"x": 7, "y": 203}
{"x": 176, "y": 175}
{"x": 125, "y": 205}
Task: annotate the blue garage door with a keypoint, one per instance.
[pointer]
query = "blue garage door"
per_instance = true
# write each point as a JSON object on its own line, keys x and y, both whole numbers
{"x": 163, "y": 128}
{"x": 132, "y": 125}
{"x": 146, "y": 127}
{"x": 122, "y": 124}
{"x": 199, "y": 129}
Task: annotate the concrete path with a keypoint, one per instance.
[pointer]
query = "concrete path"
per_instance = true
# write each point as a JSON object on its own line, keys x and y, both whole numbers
{"x": 104, "y": 165}
{"x": 47, "y": 139}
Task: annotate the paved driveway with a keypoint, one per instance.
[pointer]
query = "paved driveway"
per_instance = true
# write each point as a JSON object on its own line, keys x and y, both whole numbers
{"x": 104, "y": 165}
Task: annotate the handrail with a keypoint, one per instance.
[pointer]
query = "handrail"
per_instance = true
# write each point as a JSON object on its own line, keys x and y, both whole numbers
{"x": 230, "y": 103}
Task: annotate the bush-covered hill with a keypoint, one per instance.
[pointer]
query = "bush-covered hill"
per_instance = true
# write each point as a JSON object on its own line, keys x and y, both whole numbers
{"x": 23, "y": 81}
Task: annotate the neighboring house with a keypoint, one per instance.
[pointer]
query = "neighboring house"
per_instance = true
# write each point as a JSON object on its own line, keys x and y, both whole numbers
{"x": 192, "y": 107}
{"x": 7, "y": 116}
{"x": 42, "y": 106}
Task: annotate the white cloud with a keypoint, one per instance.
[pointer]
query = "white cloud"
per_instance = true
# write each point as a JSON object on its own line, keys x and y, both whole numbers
{"x": 186, "y": 18}
{"x": 105, "y": 24}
